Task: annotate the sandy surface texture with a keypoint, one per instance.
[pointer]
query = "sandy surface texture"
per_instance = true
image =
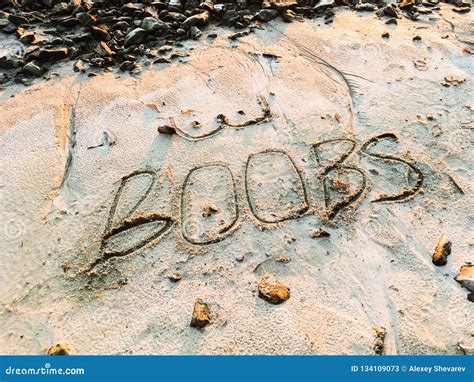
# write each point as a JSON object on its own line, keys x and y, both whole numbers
{"x": 313, "y": 170}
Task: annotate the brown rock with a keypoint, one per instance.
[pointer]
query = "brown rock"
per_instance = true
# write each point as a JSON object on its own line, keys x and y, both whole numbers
{"x": 201, "y": 314}
{"x": 320, "y": 233}
{"x": 466, "y": 277}
{"x": 272, "y": 290}
{"x": 175, "y": 277}
{"x": 58, "y": 349}
{"x": 379, "y": 343}
{"x": 442, "y": 251}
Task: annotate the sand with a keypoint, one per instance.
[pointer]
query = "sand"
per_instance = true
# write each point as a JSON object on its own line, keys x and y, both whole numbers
{"x": 98, "y": 209}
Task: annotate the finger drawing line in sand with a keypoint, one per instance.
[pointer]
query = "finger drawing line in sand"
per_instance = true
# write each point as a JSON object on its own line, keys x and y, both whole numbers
{"x": 275, "y": 191}
{"x": 225, "y": 121}
{"x": 220, "y": 220}
{"x": 406, "y": 193}
{"x": 118, "y": 239}
{"x": 338, "y": 165}
{"x": 265, "y": 205}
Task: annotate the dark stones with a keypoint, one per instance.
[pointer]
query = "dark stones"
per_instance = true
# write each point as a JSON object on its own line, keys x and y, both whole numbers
{"x": 198, "y": 20}
{"x": 152, "y": 25}
{"x": 266, "y": 15}
{"x": 390, "y": 11}
{"x": 134, "y": 37}
{"x": 100, "y": 34}
{"x": 85, "y": 19}
{"x": 18, "y": 19}
{"x": 33, "y": 68}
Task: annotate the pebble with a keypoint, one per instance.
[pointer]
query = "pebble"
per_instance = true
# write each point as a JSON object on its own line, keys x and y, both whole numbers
{"x": 175, "y": 277}
{"x": 272, "y": 290}
{"x": 466, "y": 277}
{"x": 134, "y": 37}
{"x": 58, "y": 349}
{"x": 201, "y": 314}
{"x": 79, "y": 66}
{"x": 33, "y": 68}
{"x": 442, "y": 251}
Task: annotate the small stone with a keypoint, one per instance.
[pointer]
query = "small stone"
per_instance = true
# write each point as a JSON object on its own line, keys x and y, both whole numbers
{"x": 28, "y": 38}
{"x": 167, "y": 129}
{"x": 391, "y": 21}
{"x": 195, "y": 33}
{"x": 272, "y": 290}
{"x": 175, "y": 277}
{"x": 266, "y": 15}
{"x": 58, "y": 349}
{"x": 85, "y": 19}
{"x": 379, "y": 343}
{"x": 33, "y": 68}
{"x": 126, "y": 66}
{"x": 152, "y": 25}
{"x": 100, "y": 34}
{"x": 51, "y": 54}
{"x": 151, "y": 53}
{"x": 79, "y": 66}
{"x": 390, "y": 11}
{"x": 162, "y": 60}
{"x": 462, "y": 9}
{"x": 134, "y": 37}
{"x": 385, "y": 35}
{"x": 208, "y": 210}
{"x": 164, "y": 49}
{"x": 442, "y": 251}
{"x": 365, "y": 7}
{"x": 120, "y": 25}
{"x": 283, "y": 259}
{"x": 417, "y": 38}
{"x": 240, "y": 258}
{"x": 198, "y": 20}
{"x": 320, "y": 233}
{"x": 201, "y": 314}
{"x": 466, "y": 277}
{"x": 17, "y": 19}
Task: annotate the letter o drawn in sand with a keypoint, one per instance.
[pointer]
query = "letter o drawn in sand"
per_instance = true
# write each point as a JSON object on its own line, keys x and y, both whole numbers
{"x": 274, "y": 187}
{"x": 209, "y": 204}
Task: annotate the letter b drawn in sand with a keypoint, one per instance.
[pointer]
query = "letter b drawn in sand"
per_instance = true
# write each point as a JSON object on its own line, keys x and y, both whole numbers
{"x": 337, "y": 177}
{"x": 126, "y": 230}
{"x": 274, "y": 187}
{"x": 209, "y": 207}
